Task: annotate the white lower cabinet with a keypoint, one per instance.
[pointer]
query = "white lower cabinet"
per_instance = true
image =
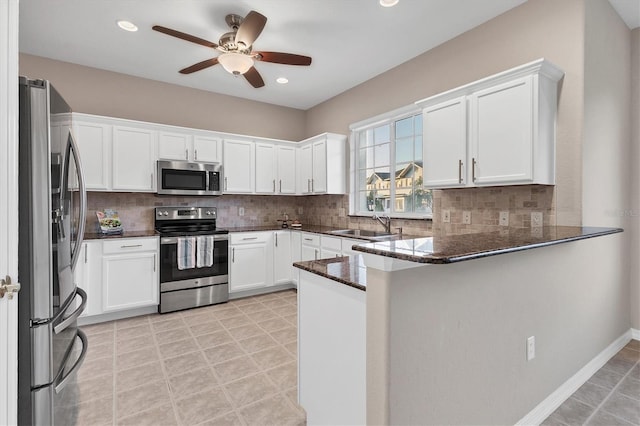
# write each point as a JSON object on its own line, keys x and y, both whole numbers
{"x": 347, "y": 244}
{"x": 310, "y": 247}
{"x": 251, "y": 264}
{"x": 88, "y": 276}
{"x": 330, "y": 247}
{"x": 129, "y": 274}
{"x": 282, "y": 269}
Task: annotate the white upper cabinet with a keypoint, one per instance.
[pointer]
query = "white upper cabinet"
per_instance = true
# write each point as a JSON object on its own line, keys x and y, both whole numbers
{"x": 174, "y": 146}
{"x": 239, "y": 166}
{"x": 191, "y": 145}
{"x": 286, "y": 166}
{"x": 322, "y": 166}
{"x": 497, "y": 131}
{"x": 133, "y": 159}
{"x": 445, "y": 129}
{"x": 94, "y": 144}
{"x": 207, "y": 148}
{"x": 265, "y": 168}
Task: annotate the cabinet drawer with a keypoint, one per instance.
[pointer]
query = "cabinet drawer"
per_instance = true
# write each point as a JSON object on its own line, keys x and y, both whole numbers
{"x": 128, "y": 245}
{"x": 332, "y": 243}
{"x": 249, "y": 237}
{"x": 310, "y": 239}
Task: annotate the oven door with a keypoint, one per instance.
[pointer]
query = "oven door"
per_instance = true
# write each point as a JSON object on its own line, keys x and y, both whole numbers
{"x": 172, "y": 278}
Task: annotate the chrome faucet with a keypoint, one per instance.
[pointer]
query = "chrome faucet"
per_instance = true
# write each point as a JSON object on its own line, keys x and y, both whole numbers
{"x": 385, "y": 221}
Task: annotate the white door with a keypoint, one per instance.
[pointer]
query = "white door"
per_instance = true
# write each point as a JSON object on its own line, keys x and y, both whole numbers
{"x": 133, "y": 159}
{"x": 286, "y": 166}
{"x": 174, "y": 146}
{"x": 501, "y": 133}
{"x": 265, "y": 168}
{"x": 239, "y": 160}
{"x": 445, "y": 144}
{"x": 94, "y": 143}
{"x": 9, "y": 210}
{"x": 249, "y": 268}
{"x": 282, "y": 263}
{"x": 305, "y": 166}
{"x": 129, "y": 281}
{"x": 207, "y": 148}
{"x": 319, "y": 177}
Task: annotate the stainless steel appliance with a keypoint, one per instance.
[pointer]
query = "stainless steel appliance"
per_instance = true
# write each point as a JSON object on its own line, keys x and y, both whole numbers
{"x": 51, "y": 347}
{"x": 193, "y": 286}
{"x": 189, "y": 178}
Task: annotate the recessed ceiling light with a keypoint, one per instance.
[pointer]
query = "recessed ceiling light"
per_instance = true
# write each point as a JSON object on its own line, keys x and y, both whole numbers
{"x": 282, "y": 80}
{"x": 127, "y": 25}
{"x": 388, "y": 3}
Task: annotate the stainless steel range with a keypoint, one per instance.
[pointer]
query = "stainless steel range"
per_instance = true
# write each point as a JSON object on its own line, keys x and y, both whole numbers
{"x": 194, "y": 269}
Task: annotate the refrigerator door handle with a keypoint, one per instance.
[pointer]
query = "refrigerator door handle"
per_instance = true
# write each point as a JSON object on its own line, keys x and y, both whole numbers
{"x": 65, "y": 379}
{"x": 73, "y": 147}
{"x": 75, "y": 314}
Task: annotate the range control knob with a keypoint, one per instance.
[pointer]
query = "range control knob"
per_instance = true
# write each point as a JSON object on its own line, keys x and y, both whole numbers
{"x": 208, "y": 213}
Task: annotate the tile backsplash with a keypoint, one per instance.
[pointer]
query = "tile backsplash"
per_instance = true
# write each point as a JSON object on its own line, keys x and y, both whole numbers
{"x": 485, "y": 205}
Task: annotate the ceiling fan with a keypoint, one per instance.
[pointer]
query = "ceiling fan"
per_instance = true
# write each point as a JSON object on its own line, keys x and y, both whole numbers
{"x": 236, "y": 46}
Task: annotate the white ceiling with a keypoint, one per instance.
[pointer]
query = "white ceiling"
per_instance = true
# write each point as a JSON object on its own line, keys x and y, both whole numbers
{"x": 350, "y": 41}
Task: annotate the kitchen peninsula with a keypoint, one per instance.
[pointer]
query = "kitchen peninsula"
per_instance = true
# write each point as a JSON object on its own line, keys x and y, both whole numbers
{"x": 447, "y": 320}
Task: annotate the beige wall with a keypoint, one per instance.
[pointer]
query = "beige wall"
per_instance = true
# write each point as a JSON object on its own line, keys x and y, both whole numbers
{"x": 634, "y": 225}
{"x": 539, "y": 28}
{"x": 100, "y": 92}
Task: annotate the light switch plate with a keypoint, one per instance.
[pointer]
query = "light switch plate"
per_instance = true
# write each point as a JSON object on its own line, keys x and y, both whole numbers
{"x": 504, "y": 219}
{"x": 536, "y": 219}
{"x": 240, "y": 211}
{"x": 446, "y": 216}
{"x": 466, "y": 217}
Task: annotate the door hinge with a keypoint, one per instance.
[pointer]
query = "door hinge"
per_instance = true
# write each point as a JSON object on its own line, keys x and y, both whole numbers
{"x": 6, "y": 287}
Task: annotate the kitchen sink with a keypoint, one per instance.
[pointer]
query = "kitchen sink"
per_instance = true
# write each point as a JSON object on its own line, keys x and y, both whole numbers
{"x": 361, "y": 233}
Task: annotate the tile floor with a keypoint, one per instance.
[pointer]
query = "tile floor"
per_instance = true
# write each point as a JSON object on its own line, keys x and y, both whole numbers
{"x": 610, "y": 397}
{"x": 232, "y": 363}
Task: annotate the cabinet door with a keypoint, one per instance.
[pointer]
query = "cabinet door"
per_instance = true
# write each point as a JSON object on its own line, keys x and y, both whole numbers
{"x": 319, "y": 169}
{"x": 305, "y": 166}
{"x": 129, "y": 281}
{"x": 173, "y": 146}
{"x": 445, "y": 144}
{"x": 501, "y": 133}
{"x": 282, "y": 263}
{"x": 309, "y": 253}
{"x": 239, "y": 160}
{"x": 249, "y": 267}
{"x": 207, "y": 148}
{"x": 88, "y": 276}
{"x": 286, "y": 165}
{"x": 265, "y": 169}
{"x": 133, "y": 159}
{"x": 347, "y": 243}
{"x": 94, "y": 143}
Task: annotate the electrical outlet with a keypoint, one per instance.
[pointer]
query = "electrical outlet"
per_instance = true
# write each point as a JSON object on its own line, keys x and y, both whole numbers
{"x": 466, "y": 217}
{"x": 531, "y": 348}
{"x": 536, "y": 219}
{"x": 446, "y": 216}
{"x": 504, "y": 219}
{"x": 240, "y": 211}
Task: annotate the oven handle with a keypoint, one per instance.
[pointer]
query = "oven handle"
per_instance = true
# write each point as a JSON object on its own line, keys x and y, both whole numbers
{"x": 174, "y": 240}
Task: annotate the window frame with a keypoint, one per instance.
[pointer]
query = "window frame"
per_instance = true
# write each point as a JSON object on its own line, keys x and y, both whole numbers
{"x": 388, "y": 118}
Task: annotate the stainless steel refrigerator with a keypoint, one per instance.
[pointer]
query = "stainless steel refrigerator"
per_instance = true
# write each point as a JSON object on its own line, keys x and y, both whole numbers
{"x": 52, "y": 202}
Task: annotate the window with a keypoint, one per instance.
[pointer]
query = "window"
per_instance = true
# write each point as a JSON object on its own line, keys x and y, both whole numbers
{"x": 387, "y": 168}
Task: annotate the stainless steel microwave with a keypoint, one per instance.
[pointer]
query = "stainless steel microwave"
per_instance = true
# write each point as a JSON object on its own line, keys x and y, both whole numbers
{"x": 187, "y": 178}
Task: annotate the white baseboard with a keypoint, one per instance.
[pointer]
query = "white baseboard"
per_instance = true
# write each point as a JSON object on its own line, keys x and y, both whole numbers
{"x": 635, "y": 334}
{"x": 553, "y": 401}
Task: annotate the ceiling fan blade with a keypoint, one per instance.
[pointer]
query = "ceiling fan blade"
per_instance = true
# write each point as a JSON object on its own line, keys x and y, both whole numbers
{"x": 199, "y": 66}
{"x": 184, "y": 36}
{"x": 250, "y": 29}
{"x": 282, "y": 58}
{"x": 254, "y": 77}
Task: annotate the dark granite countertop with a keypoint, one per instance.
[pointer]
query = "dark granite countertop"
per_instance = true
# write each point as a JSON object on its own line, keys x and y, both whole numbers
{"x": 317, "y": 229}
{"x": 349, "y": 270}
{"x": 125, "y": 234}
{"x": 441, "y": 249}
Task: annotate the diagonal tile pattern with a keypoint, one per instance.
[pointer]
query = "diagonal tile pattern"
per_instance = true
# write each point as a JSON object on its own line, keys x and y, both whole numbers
{"x": 233, "y": 363}
{"x": 610, "y": 397}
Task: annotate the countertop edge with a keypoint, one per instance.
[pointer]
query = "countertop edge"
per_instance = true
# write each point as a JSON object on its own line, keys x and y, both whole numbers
{"x": 308, "y": 266}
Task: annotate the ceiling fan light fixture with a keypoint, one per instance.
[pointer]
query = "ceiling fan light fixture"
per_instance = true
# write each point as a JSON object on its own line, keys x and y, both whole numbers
{"x": 235, "y": 63}
{"x": 282, "y": 80}
{"x": 388, "y": 3}
{"x": 127, "y": 25}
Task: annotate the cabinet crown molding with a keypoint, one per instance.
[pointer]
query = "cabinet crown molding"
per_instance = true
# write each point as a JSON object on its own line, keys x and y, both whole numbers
{"x": 540, "y": 67}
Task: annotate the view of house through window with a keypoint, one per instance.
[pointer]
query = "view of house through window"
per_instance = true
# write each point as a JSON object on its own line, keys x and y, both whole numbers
{"x": 389, "y": 169}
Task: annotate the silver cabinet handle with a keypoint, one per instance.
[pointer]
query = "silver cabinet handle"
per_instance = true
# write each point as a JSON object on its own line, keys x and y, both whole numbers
{"x": 308, "y": 185}
{"x": 459, "y": 171}
{"x": 151, "y": 180}
{"x": 280, "y": 185}
{"x": 311, "y": 185}
{"x": 308, "y": 239}
{"x": 276, "y": 240}
{"x": 274, "y": 185}
{"x": 131, "y": 246}
{"x": 316, "y": 255}
{"x": 249, "y": 238}
{"x": 154, "y": 262}
{"x": 225, "y": 184}
{"x": 195, "y": 154}
{"x": 233, "y": 255}
{"x": 85, "y": 253}
{"x": 473, "y": 169}
{"x": 186, "y": 154}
